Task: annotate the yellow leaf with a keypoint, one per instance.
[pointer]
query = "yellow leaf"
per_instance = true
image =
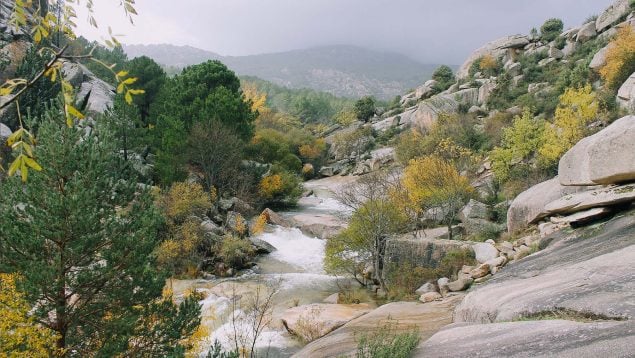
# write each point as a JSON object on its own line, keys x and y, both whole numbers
{"x": 130, "y": 80}
{"x": 128, "y": 97}
{"x": 122, "y": 73}
{"x": 120, "y": 87}
{"x": 74, "y": 112}
{"x": 15, "y": 165}
{"x": 24, "y": 171}
{"x": 32, "y": 163}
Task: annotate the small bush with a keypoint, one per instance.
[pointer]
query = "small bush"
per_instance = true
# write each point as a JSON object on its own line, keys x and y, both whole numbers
{"x": 280, "y": 188}
{"x": 365, "y": 108}
{"x": 551, "y": 29}
{"x": 235, "y": 252}
{"x": 184, "y": 200}
{"x": 387, "y": 343}
{"x": 405, "y": 279}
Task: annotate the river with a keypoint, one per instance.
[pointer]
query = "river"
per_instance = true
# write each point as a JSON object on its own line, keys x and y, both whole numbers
{"x": 295, "y": 269}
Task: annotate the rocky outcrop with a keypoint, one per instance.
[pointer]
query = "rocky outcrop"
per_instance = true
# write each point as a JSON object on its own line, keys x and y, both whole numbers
{"x": 612, "y": 15}
{"x": 423, "y": 251}
{"x": 529, "y": 206}
{"x": 428, "y": 111}
{"x": 606, "y": 157}
{"x": 586, "y": 32}
{"x": 603, "y": 197}
{"x": 322, "y": 226}
{"x": 96, "y": 94}
{"x": 530, "y": 339}
{"x": 313, "y": 321}
{"x": 626, "y": 94}
{"x": 599, "y": 60}
{"x": 274, "y": 218}
{"x": 586, "y": 276}
{"x": 498, "y": 49}
{"x": 401, "y": 316}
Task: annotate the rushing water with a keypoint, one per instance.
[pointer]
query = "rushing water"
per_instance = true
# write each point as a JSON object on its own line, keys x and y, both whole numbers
{"x": 295, "y": 268}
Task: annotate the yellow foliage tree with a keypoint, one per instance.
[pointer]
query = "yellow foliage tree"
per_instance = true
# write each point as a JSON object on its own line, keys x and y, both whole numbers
{"x": 431, "y": 182}
{"x": 20, "y": 334}
{"x": 270, "y": 185}
{"x": 258, "y": 99}
{"x": 185, "y": 199}
{"x": 620, "y": 58}
{"x": 577, "y": 108}
{"x": 313, "y": 150}
{"x": 488, "y": 64}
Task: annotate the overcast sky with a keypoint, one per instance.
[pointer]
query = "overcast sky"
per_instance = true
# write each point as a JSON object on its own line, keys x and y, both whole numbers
{"x": 431, "y": 31}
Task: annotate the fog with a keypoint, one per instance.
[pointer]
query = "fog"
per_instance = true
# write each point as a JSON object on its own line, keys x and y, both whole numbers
{"x": 431, "y": 31}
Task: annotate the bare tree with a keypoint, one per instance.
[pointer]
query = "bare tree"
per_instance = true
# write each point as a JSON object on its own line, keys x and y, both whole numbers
{"x": 251, "y": 314}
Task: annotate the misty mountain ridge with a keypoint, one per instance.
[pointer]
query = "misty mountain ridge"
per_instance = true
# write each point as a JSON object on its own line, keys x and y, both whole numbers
{"x": 347, "y": 71}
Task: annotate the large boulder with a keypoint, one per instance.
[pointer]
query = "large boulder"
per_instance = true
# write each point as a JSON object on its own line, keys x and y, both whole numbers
{"x": 601, "y": 197}
{"x": 589, "y": 271}
{"x": 529, "y": 206}
{"x": 599, "y": 60}
{"x": 485, "y": 252}
{"x": 613, "y": 14}
{"x": 626, "y": 94}
{"x": 582, "y": 276}
{"x": 587, "y": 32}
{"x": 474, "y": 210}
{"x": 606, "y": 157}
{"x": 551, "y": 338}
{"x": 97, "y": 94}
{"x": 401, "y": 316}
{"x": 428, "y": 111}
{"x": 425, "y": 252}
{"x": 274, "y": 218}
{"x": 497, "y": 48}
{"x": 313, "y": 321}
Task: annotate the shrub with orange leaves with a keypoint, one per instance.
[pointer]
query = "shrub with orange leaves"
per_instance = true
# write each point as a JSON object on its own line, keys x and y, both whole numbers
{"x": 620, "y": 58}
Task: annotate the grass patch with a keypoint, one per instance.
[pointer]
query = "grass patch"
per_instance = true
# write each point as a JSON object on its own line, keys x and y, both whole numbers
{"x": 568, "y": 315}
{"x": 387, "y": 343}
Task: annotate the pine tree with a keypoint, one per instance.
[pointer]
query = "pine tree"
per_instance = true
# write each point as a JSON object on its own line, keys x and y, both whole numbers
{"x": 81, "y": 234}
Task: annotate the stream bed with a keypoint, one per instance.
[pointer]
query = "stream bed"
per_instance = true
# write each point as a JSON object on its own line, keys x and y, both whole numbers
{"x": 295, "y": 269}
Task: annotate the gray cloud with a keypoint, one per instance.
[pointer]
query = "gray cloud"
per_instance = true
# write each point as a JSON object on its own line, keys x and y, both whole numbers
{"x": 432, "y": 31}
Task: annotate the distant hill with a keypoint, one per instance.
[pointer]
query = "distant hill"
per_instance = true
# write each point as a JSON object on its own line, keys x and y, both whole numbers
{"x": 346, "y": 71}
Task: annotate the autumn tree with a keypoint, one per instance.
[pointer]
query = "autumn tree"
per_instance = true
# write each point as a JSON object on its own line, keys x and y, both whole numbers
{"x": 577, "y": 108}
{"x": 430, "y": 183}
{"x": 20, "y": 333}
{"x": 42, "y": 20}
{"x": 82, "y": 238}
{"x": 488, "y": 65}
{"x": 620, "y": 58}
{"x": 519, "y": 144}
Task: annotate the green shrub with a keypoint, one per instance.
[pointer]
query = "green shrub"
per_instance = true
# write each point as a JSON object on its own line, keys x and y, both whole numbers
{"x": 404, "y": 279}
{"x": 235, "y": 252}
{"x": 386, "y": 342}
{"x": 551, "y": 29}
{"x": 444, "y": 77}
{"x": 365, "y": 108}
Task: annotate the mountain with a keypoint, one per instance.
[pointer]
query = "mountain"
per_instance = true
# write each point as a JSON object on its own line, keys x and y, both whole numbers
{"x": 346, "y": 71}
